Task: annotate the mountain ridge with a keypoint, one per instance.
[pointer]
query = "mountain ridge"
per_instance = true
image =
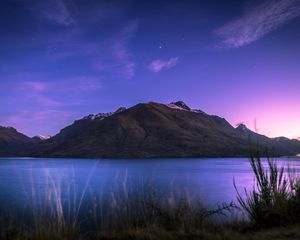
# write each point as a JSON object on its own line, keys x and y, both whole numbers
{"x": 154, "y": 130}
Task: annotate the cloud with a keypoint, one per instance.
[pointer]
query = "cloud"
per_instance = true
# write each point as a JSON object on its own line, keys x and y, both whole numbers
{"x": 99, "y": 34}
{"x": 159, "y": 64}
{"x": 109, "y": 54}
{"x": 121, "y": 51}
{"x": 37, "y": 90}
{"x": 34, "y": 85}
{"x": 56, "y": 11}
{"x": 38, "y": 82}
{"x": 257, "y": 22}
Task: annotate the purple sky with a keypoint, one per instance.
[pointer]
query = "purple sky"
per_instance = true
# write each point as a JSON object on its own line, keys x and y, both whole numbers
{"x": 63, "y": 59}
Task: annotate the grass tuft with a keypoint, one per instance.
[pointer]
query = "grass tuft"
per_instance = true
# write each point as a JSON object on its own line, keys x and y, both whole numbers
{"x": 275, "y": 200}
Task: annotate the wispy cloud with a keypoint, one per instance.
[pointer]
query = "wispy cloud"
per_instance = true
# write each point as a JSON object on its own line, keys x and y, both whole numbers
{"x": 36, "y": 90}
{"x": 257, "y": 22}
{"x": 84, "y": 40}
{"x": 160, "y": 64}
{"x": 35, "y": 82}
{"x": 56, "y": 11}
{"x": 34, "y": 85}
{"x": 110, "y": 54}
{"x": 121, "y": 51}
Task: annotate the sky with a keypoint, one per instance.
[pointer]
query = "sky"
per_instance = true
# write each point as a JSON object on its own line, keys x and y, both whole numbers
{"x": 63, "y": 59}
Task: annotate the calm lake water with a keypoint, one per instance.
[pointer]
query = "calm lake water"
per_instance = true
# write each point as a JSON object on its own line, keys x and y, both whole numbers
{"x": 25, "y": 181}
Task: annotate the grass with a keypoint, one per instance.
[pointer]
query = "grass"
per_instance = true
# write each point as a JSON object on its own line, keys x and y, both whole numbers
{"x": 152, "y": 218}
{"x": 275, "y": 201}
{"x": 272, "y": 209}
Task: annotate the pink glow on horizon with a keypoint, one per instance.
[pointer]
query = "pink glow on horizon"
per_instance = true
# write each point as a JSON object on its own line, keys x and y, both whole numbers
{"x": 272, "y": 119}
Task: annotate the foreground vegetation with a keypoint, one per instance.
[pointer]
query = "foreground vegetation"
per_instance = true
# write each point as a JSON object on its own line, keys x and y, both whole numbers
{"x": 272, "y": 211}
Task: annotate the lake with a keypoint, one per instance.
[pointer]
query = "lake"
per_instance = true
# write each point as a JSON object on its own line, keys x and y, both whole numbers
{"x": 26, "y": 181}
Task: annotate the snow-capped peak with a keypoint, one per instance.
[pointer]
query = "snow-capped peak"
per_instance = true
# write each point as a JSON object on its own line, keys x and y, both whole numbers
{"x": 180, "y": 105}
{"x": 121, "y": 109}
{"x": 101, "y": 116}
{"x": 43, "y": 137}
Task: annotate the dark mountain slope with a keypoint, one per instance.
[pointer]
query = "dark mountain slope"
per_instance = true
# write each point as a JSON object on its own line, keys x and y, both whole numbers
{"x": 150, "y": 130}
{"x": 276, "y": 146}
{"x": 147, "y": 130}
{"x": 13, "y": 143}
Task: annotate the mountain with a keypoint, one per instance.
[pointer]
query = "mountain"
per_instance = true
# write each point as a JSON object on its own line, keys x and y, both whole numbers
{"x": 279, "y": 145}
{"x": 146, "y": 130}
{"x": 13, "y": 143}
{"x": 157, "y": 130}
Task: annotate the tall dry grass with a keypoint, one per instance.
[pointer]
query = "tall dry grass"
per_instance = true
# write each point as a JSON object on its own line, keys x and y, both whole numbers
{"x": 60, "y": 213}
{"x": 275, "y": 200}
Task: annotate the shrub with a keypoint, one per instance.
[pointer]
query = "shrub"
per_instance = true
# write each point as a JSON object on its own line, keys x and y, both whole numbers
{"x": 275, "y": 200}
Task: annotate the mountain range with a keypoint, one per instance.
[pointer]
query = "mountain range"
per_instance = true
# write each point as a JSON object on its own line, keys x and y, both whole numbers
{"x": 146, "y": 130}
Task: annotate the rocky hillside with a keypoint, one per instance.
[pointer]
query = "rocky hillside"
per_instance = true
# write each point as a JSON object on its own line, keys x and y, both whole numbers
{"x": 157, "y": 130}
{"x": 143, "y": 131}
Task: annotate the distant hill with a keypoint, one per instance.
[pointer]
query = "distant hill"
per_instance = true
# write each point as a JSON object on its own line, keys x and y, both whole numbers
{"x": 13, "y": 143}
{"x": 152, "y": 129}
